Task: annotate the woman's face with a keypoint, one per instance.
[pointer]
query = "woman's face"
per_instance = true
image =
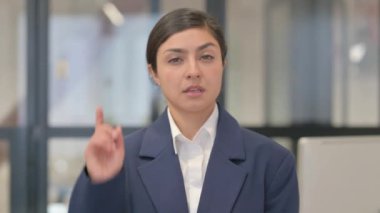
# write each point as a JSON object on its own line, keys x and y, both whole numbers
{"x": 189, "y": 71}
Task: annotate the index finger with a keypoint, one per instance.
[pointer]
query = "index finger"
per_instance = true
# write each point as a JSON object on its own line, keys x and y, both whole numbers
{"x": 99, "y": 116}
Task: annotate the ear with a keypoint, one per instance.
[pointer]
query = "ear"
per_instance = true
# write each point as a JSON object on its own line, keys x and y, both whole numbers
{"x": 153, "y": 75}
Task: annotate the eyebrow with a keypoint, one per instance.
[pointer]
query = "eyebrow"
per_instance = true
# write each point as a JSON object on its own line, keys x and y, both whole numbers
{"x": 202, "y": 47}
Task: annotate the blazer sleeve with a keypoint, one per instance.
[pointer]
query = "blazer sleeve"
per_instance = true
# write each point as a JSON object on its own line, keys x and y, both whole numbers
{"x": 96, "y": 198}
{"x": 283, "y": 195}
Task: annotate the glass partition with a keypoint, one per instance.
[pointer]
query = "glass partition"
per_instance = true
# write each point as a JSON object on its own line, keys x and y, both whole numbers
{"x": 97, "y": 58}
{"x": 66, "y": 161}
{"x": 297, "y": 62}
{"x": 356, "y": 73}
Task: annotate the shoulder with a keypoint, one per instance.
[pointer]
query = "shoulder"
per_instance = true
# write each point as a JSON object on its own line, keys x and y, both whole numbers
{"x": 134, "y": 139}
{"x": 135, "y": 135}
{"x": 255, "y": 145}
{"x": 263, "y": 144}
{"x": 273, "y": 159}
{"x": 276, "y": 167}
{"x": 266, "y": 152}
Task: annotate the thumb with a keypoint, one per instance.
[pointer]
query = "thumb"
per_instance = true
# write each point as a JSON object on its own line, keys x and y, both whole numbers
{"x": 120, "y": 138}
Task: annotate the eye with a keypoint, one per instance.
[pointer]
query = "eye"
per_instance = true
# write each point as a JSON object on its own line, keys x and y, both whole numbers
{"x": 176, "y": 60}
{"x": 207, "y": 58}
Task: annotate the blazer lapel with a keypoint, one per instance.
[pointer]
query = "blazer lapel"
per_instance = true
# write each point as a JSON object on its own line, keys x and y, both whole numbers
{"x": 224, "y": 179}
{"x": 162, "y": 175}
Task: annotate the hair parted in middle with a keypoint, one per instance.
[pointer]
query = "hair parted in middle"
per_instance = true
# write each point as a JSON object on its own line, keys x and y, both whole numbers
{"x": 177, "y": 21}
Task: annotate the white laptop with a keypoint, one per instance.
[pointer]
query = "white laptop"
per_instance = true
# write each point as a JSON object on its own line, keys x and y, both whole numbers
{"x": 339, "y": 174}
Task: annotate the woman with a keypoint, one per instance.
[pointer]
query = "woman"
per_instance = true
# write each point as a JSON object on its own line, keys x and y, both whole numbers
{"x": 194, "y": 157}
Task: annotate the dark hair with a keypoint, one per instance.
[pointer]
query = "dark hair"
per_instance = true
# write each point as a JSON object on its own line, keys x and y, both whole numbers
{"x": 177, "y": 21}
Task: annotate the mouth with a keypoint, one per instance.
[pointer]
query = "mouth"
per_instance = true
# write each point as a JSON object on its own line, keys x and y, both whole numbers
{"x": 194, "y": 90}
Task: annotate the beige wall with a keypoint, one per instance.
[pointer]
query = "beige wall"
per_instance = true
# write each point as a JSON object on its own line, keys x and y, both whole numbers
{"x": 11, "y": 13}
{"x": 168, "y": 5}
{"x": 4, "y": 177}
{"x": 245, "y": 77}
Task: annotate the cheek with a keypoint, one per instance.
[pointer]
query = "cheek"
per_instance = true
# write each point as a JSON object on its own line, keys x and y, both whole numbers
{"x": 218, "y": 81}
{"x": 217, "y": 75}
{"x": 169, "y": 81}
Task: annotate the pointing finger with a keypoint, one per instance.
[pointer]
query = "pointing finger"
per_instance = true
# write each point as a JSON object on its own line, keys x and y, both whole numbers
{"x": 99, "y": 116}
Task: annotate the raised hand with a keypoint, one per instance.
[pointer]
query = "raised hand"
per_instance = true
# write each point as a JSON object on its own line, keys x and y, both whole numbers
{"x": 105, "y": 152}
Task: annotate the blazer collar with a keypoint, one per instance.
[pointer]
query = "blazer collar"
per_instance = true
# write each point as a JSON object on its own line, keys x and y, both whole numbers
{"x": 162, "y": 175}
{"x": 224, "y": 179}
{"x": 156, "y": 137}
{"x": 228, "y": 136}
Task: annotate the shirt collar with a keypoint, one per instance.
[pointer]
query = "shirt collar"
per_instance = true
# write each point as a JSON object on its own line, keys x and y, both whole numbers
{"x": 210, "y": 126}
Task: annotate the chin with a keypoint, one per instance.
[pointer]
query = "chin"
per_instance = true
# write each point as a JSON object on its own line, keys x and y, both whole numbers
{"x": 192, "y": 106}
{"x": 199, "y": 107}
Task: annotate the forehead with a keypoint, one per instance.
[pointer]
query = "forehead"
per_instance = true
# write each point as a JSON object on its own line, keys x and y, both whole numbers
{"x": 189, "y": 38}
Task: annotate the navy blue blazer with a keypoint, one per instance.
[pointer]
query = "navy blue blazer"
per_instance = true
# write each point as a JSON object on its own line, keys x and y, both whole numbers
{"x": 247, "y": 172}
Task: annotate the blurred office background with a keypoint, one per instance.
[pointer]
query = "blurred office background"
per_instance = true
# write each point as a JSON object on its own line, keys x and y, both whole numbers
{"x": 295, "y": 68}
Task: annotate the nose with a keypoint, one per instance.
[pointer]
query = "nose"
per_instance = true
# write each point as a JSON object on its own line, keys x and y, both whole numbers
{"x": 193, "y": 71}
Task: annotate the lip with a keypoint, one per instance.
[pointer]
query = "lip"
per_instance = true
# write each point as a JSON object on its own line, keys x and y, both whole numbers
{"x": 194, "y": 90}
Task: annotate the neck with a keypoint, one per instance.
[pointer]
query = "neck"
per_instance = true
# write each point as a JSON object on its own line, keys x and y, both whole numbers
{"x": 190, "y": 122}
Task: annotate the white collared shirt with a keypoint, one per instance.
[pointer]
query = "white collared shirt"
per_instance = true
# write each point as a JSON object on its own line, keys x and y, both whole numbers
{"x": 194, "y": 156}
